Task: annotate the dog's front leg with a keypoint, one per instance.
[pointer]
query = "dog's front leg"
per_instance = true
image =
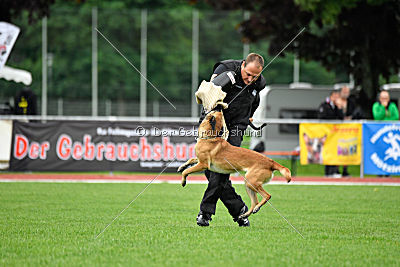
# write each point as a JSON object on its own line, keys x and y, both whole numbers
{"x": 196, "y": 168}
{"x": 187, "y": 164}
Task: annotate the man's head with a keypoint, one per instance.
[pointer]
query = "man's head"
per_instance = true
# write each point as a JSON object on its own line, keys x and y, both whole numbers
{"x": 344, "y": 92}
{"x": 334, "y": 96}
{"x": 251, "y": 68}
{"x": 384, "y": 98}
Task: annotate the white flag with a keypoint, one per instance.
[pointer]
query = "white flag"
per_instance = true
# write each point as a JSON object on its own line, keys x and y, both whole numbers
{"x": 8, "y": 36}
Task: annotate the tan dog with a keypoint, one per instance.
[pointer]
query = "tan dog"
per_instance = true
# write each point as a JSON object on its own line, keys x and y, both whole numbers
{"x": 217, "y": 155}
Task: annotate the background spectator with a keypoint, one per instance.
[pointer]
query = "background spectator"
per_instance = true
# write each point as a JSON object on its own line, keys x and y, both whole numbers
{"x": 383, "y": 109}
{"x": 25, "y": 102}
{"x": 350, "y": 111}
{"x": 349, "y": 107}
{"x": 331, "y": 109}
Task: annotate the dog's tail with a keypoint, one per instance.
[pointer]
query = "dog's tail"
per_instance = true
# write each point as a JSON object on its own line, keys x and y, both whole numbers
{"x": 284, "y": 171}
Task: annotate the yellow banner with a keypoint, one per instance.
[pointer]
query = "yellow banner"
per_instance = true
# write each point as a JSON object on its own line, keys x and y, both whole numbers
{"x": 330, "y": 144}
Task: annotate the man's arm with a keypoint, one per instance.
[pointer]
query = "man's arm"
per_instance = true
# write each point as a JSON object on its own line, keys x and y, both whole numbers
{"x": 322, "y": 113}
{"x": 256, "y": 102}
{"x": 220, "y": 69}
{"x": 339, "y": 109}
{"x": 393, "y": 112}
{"x": 255, "y": 105}
{"x": 339, "y": 113}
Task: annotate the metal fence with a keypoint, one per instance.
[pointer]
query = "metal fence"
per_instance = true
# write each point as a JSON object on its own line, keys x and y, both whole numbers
{"x": 174, "y": 49}
{"x": 116, "y": 108}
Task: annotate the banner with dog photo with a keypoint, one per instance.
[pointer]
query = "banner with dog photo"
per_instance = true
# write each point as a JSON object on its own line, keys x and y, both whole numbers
{"x": 330, "y": 144}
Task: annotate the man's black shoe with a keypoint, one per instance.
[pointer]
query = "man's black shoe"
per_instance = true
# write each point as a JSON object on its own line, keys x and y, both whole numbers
{"x": 243, "y": 221}
{"x": 203, "y": 219}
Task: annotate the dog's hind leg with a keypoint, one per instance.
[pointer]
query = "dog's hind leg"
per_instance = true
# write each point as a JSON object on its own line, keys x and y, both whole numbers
{"x": 187, "y": 164}
{"x": 196, "y": 168}
{"x": 254, "y": 200}
{"x": 265, "y": 196}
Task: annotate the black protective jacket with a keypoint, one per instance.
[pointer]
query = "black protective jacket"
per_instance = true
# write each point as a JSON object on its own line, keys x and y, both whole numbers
{"x": 329, "y": 111}
{"x": 353, "y": 110}
{"x": 242, "y": 103}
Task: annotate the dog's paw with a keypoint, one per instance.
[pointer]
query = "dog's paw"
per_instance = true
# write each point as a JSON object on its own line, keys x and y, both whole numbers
{"x": 181, "y": 168}
{"x": 184, "y": 167}
{"x": 183, "y": 182}
{"x": 256, "y": 209}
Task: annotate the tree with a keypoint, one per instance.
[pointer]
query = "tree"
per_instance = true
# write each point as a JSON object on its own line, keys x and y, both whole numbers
{"x": 169, "y": 52}
{"x": 362, "y": 37}
{"x": 12, "y": 9}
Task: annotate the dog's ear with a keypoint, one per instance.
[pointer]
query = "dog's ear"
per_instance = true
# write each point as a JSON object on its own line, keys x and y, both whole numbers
{"x": 213, "y": 122}
{"x": 306, "y": 138}
{"x": 323, "y": 139}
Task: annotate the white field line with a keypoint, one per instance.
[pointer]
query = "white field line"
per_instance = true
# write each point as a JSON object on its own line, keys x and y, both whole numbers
{"x": 144, "y": 181}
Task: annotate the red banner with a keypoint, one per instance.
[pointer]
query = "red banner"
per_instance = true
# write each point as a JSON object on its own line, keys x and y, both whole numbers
{"x": 101, "y": 146}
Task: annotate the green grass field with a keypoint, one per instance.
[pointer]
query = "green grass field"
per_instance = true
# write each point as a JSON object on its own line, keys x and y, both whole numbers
{"x": 55, "y": 224}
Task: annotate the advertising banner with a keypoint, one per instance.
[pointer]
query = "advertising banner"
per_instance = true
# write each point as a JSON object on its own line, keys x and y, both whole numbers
{"x": 8, "y": 36}
{"x": 5, "y": 139}
{"x": 381, "y": 148}
{"x": 330, "y": 144}
{"x": 101, "y": 146}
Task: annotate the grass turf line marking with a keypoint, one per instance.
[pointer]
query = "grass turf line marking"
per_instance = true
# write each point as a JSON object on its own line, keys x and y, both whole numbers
{"x": 130, "y": 63}
{"x": 144, "y": 189}
{"x": 285, "y": 219}
{"x": 294, "y": 38}
{"x": 267, "y": 201}
{"x": 105, "y": 181}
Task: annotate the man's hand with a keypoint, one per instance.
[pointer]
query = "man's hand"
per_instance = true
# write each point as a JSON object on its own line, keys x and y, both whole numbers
{"x": 339, "y": 103}
{"x": 384, "y": 98}
{"x": 385, "y": 103}
{"x": 251, "y": 120}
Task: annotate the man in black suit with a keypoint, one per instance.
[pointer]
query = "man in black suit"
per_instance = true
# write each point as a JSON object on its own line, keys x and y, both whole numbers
{"x": 242, "y": 81}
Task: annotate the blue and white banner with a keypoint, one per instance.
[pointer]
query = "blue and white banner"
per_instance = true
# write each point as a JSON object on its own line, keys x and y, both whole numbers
{"x": 381, "y": 148}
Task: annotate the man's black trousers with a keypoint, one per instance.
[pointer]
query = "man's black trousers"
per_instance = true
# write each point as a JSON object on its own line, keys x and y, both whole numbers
{"x": 220, "y": 187}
